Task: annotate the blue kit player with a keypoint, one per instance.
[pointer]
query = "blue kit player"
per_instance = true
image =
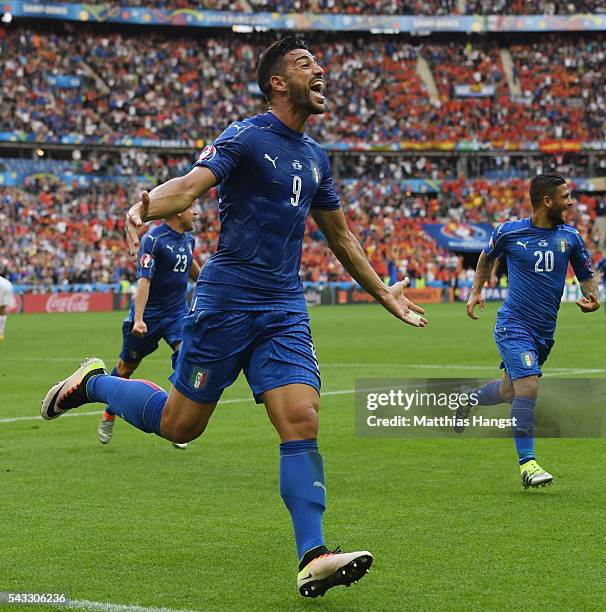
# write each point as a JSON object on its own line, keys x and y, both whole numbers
{"x": 165, "y": 262}
{"x": 601, "y": 268}
{"x": 249, "y": 310}
{"x": 538, "y": 250}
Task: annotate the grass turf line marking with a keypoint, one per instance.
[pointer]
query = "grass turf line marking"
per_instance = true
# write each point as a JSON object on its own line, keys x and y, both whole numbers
{"x": 550, "y": 373}
{"x": 412, "y": 366}
{"x": 85, "y": 604}
{"x": 99, "y": 412}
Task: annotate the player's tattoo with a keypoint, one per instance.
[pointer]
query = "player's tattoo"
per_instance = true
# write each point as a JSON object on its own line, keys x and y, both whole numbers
{"x": 589, "y": 286}
{"x": 482, "y": 272}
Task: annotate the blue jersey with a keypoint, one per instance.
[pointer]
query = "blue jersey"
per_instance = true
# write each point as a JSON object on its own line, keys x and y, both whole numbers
{"x": 601, "y": 265}
{"x": 537, "y": 262}
{"x": 269, "y": 177}
{"x": 165, "y": 257}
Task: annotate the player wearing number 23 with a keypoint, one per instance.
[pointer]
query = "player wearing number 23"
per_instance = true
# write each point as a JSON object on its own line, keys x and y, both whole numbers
{"x": 165, "y": 262}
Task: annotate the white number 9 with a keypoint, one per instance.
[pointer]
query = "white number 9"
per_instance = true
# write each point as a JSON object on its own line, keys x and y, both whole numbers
{"x": 297, "y": 183}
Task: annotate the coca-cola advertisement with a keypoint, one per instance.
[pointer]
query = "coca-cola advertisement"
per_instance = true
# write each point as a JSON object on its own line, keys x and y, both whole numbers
{"x": 17, "y": 304}
{"x": 68, "y": 302}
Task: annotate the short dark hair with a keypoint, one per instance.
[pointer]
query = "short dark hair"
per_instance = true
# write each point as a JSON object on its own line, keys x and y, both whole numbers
{"x": 269, "y": 62}
{"x": 544, "y": 185}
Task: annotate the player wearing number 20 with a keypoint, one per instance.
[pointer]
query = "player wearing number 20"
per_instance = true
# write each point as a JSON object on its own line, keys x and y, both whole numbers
{"x": 538, "y": 250}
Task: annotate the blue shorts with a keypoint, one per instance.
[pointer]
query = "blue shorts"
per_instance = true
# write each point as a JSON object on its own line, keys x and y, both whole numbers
{"x": 274, "y": 348}
{"x": 135, "y": 348}
{"x": 522, "y": 352}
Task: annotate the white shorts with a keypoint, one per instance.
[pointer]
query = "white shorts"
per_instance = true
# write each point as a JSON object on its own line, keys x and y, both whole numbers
{"x": 6, "y": 293}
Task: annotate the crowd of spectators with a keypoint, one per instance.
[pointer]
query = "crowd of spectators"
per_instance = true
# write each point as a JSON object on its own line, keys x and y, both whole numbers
{"x": 174, "y": 88}
{"x": 160, "y": 166}
{"x": 563, "y": 83}
{"x": 534, "y": 7}
{"x": 57, "y": 233}
{"x": 171, "y": 87}
{"x": 379, "y": 7}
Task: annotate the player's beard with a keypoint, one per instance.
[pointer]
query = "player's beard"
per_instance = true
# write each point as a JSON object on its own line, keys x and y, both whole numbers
{"x": 300, "y": 97}
{"x": 557, "y": 216}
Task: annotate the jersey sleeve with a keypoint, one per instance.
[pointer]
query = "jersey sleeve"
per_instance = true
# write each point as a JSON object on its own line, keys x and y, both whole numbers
{"x": 226, "y": 152}
{"x": 580, "y": 259}
{"x": 496, "y": 244}
{"x": 326, "y": 197}
{"x": 146, "y": 265}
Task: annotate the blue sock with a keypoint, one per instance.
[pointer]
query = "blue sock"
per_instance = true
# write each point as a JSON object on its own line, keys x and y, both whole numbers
{"x": 489, "y": 394}
{"x": 139, "y": 402}
{"x": 522, "y": 410}
{"x": 114, "y": 373}
{"x": 303, "y": 491}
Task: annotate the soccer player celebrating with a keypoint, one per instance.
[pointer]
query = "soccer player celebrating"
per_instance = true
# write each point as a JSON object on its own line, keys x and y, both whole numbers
{"x": 538, "y": 250}
{"x": 165, "y": 262}
{"x": 249, "y": 310}
{"x": 6, "y": 302}
{"x": 601, "y": 267}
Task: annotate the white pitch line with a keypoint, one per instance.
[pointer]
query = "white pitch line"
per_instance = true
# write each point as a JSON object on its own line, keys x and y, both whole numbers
{"x": 434, "y": 366}
{"x": 110, "y": 607}
{"x": 548, "y": 374}
{"x": 411, "y": 366}
{"x": 575, "y": 371}
{"x": 98, "y": 412}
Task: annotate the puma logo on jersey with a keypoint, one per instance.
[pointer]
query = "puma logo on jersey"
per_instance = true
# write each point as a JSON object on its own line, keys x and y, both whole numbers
{"x": 524, "y": 244}
{"x": 273, "y": 161}
{"x": 170, "y": 248}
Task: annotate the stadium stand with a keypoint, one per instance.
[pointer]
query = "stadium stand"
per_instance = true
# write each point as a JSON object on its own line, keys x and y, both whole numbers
{"x": 503, "y": 95}
{"x": 61, "y": 233}
{"x": 381, "y": 7}
{"x": 159, "y": 86}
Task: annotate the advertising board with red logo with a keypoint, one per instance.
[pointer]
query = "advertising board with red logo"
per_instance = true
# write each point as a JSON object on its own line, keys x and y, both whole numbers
{"x": 17, "y": 304}
{"x": 67, "y": 302}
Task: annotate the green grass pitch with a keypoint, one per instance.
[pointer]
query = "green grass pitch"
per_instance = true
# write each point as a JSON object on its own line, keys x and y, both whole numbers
{"x": 138, "y": 522}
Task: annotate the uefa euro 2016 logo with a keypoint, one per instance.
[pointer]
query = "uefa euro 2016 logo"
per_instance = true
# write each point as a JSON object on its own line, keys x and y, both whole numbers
{"x": 463, "y": 231}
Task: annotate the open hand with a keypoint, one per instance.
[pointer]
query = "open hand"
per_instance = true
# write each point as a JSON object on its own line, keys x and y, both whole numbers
{"x": 402, "y": 308}
{"x": 135, "y": 219}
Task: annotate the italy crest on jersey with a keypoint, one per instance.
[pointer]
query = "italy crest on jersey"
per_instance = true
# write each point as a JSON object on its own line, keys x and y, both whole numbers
{"x": 562, "y": 245}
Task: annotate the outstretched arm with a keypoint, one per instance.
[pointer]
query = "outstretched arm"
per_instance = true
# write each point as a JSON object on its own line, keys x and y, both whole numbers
{"x": 166, "y": 199}
{"x": 348, "y": 251}
{"x": 589, "y": 302}
{"x": 482, "y": 275}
